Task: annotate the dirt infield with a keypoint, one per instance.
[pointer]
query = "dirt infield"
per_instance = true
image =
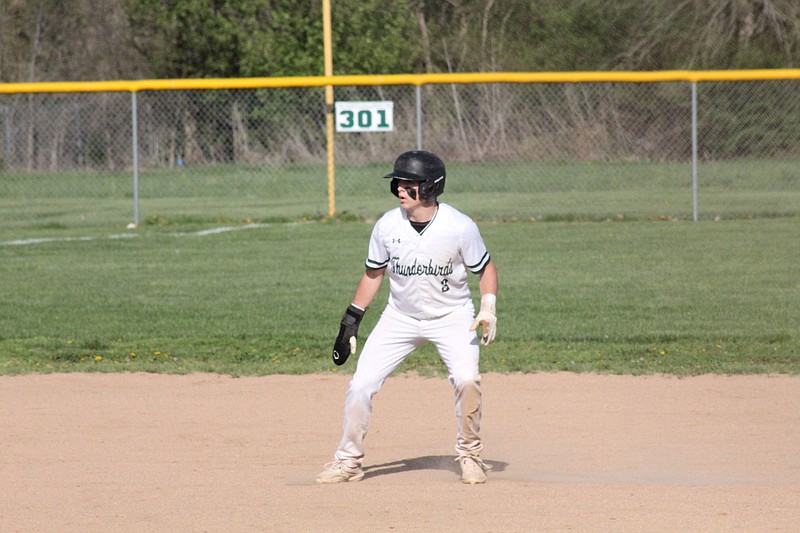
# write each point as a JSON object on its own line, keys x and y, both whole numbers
{"x": 153, "y": 453}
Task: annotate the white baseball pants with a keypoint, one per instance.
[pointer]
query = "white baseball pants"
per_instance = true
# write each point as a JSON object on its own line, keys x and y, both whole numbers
{"x": 394, "y": 337}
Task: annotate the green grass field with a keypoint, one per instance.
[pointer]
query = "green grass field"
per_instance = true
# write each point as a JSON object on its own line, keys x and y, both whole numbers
{"x": 635, "y": 297}
{"x": 73, "y": 203}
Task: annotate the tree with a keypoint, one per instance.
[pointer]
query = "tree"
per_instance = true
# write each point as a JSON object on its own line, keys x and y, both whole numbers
{"x": 714, "y": 34}
{"x": 242, "y": 38}
{"x": 43, "y": 40}
{"x": 66, "y": 40}
{"x": 375, "y": 37}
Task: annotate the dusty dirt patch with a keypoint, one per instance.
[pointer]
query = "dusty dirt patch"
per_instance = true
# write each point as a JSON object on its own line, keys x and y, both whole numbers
{"x": 139, "y": 452}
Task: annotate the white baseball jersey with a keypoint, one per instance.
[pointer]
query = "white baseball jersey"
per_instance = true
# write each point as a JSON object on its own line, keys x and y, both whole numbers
{"x": 427, "y": 270}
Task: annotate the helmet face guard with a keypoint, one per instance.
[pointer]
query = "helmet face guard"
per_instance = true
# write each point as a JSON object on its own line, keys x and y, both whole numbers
{"x": 422, "y": 167}
{"x": 395, "y": 187}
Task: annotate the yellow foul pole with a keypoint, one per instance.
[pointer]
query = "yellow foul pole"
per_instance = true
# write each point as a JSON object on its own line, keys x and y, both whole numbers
{"x": 326, "y": 31}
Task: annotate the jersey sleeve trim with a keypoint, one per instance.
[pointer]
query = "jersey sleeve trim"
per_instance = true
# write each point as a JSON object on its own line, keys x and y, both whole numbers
{"x": 478, "y": 267}
{"x": 376, "y": 265}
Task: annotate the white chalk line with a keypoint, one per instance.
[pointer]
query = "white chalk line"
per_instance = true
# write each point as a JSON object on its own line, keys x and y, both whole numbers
{"x": 200, "y": 233}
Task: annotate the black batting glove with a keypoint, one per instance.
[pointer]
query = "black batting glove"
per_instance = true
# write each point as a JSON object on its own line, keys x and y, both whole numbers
{"x": 346, "y": 341}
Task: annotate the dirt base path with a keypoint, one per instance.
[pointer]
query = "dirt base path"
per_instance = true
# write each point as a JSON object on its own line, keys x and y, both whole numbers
{"x": 154, "y": 453}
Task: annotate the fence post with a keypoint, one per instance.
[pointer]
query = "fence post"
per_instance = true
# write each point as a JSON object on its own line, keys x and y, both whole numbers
{"x": 329, "y": 104}
{"x": 419, "y": 116}
{"x": 694, "y": 151}
{"x": 6, "y": 135}
{"x": 135, "y": 144}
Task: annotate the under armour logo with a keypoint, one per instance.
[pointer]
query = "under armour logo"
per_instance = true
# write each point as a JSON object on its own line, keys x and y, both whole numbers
{"x": 395, "y": 240}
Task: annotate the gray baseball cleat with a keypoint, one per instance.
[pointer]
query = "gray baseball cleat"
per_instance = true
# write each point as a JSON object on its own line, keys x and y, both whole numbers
{"x": 340, "y": 472}
{"x": 472, "y": 469}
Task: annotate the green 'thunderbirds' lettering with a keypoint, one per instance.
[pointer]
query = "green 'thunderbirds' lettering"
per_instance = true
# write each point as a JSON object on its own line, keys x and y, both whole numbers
{"x": 416, "y": 269}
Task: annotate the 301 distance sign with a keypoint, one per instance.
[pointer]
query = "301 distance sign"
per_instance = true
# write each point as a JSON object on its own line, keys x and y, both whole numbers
{"x": 364, "y": 116}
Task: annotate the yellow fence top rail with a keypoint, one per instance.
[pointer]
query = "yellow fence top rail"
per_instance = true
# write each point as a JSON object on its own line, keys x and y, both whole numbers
{"x": 400, "y": 79}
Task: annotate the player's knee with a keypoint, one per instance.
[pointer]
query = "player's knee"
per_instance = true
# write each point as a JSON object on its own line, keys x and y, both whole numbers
{"x": 364, "y": 387}
{"x": 466, "y": 382}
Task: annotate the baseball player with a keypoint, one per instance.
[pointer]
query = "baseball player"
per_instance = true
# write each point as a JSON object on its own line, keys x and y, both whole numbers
{"x": 427, "y": 248}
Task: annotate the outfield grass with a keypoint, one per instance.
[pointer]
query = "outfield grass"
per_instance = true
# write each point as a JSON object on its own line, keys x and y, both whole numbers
{"x": 36, "y": 204}
{"x": 619, "y": 297}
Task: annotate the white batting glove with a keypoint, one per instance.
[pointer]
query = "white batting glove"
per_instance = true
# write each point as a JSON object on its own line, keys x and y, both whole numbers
{"x": 486, "y": 319}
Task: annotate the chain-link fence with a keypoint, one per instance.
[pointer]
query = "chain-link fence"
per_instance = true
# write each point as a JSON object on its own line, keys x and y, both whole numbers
{"x": 544, "y": 151}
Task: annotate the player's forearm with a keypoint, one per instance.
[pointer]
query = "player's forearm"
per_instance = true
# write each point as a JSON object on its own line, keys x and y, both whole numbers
{"x": 487, "y": 316}
{"x": 368, "y": 287}
{"x": 488, "y": 280}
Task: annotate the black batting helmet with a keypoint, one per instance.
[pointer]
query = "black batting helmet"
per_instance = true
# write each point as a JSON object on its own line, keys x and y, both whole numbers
{"x": 421, "y": 166}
